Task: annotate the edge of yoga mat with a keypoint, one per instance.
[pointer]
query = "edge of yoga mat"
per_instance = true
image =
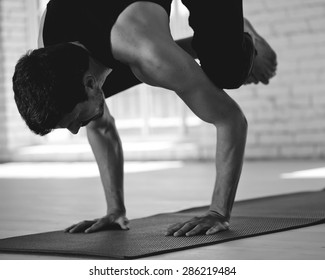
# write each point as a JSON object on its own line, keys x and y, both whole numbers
{"x": 99, "y": 256}
{"x": 237, "y": 202}
{"x": 112, "y": 256}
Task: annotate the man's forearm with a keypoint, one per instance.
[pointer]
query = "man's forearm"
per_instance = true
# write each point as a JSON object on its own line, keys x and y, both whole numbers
{"x": 107, "y": 148}
{"x": 231, "y": 142}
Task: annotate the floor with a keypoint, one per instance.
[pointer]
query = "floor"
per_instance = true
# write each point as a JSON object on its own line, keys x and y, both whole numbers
{"x": 39, "y": 197}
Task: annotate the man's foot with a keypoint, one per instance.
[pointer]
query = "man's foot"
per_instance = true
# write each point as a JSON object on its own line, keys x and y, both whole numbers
{"x": 265, "y": 62}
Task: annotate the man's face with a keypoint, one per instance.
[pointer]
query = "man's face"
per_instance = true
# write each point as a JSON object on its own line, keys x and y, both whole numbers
{"x": 82, "y": 114}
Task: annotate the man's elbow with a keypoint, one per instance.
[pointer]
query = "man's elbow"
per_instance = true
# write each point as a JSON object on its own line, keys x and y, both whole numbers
{"x": 235, "y": 121}
{"x": 244, "y": 121}
{"x": 240, "y": 124}
{"x": 240, "y": 120}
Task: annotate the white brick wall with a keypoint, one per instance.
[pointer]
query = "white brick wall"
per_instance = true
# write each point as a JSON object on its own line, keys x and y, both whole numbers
{"x": 13, "y": 43}
{"x": 287, "y": 117}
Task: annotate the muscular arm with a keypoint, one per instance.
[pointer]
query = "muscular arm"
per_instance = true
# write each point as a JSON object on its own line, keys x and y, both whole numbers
{"x": 107, "y": 148}
{"x": 174, "y": 70}
{"x": 158, "y": 61}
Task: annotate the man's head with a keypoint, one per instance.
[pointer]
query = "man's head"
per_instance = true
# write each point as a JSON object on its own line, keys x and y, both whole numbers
{"x": 48, "y": 84}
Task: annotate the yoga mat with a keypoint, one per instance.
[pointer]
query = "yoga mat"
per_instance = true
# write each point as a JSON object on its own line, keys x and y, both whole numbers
{"x": 249, "y": 218}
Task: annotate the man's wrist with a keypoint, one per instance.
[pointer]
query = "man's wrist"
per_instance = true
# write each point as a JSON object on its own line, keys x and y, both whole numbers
{"x": 115, "y": 198}
{"x": 219, "y": 215}
{"x": 116, "y": 208}
{"x": 119, "y": 211}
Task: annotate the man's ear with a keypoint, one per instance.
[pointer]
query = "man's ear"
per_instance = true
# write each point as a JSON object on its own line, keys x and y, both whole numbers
{"x": 89, "y": 82}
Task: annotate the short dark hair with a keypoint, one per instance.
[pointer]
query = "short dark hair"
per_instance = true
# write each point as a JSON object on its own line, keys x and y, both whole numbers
{"x": 47, "y": 84}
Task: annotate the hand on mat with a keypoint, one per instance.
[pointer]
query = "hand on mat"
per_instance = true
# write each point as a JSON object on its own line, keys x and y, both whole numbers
{"x": 209, "y": 223}
{"x": 111, "y": 221}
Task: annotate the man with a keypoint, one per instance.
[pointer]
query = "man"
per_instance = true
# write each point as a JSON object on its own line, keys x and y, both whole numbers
{"x": 64, "y": 85}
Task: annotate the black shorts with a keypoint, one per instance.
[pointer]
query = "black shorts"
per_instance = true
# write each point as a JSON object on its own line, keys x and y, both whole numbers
{"x": 89, "y": 22}
{"x": 225, "y": 52}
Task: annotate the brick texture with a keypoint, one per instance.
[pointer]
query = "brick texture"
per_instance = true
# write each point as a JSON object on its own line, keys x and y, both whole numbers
{"x": 286, "y": 118}
{"x": 13, "y": 43}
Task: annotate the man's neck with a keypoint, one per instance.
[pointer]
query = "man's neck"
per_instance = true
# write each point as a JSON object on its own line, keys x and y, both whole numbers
{"x": 98, "y": 70}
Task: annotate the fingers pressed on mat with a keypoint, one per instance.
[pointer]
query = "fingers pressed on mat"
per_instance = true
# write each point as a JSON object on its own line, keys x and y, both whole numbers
{"x": 173, "y": 228}
{"x": 81, "y": 227}
{"x": 196, "y": 230}
{"x": 95, "y": 227}
{"x": 218, "y": 228}
{"x": 182, "y": 231}
{"x": 69, "y": 228}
